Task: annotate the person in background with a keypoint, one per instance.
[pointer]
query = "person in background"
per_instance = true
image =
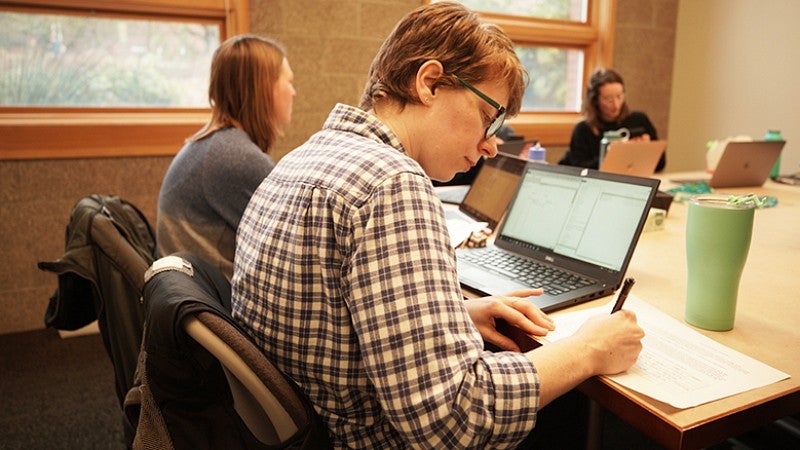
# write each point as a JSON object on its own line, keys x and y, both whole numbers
{"x": 211, "y": 179}
{"x": 605, "y": 109}
{"x": 345, "y": 277}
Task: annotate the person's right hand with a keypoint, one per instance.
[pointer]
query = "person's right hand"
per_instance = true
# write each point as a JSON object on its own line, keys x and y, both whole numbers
{"x": 614, "y": 341}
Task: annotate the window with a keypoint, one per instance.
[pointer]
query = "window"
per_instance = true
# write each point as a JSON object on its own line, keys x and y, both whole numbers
{"x": 84, "y": 61}
{"x": 570, "y": 10}
{"x": 560, "y": 42}
{"x": 85, "y": 78}
{"x": 555, "y": 83}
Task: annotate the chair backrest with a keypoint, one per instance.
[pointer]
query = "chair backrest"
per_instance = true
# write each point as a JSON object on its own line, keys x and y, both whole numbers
{"x": 109, "y": 245}
{"x": 271, "y": 410}
{"x": 188, "y": 316}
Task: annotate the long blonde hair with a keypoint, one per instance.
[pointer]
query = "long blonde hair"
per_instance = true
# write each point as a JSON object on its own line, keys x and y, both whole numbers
{"x": 244, "y": 71}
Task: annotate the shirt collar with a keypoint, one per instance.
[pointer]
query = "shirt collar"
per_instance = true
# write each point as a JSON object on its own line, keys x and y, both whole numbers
{"x": 355, "y": 120}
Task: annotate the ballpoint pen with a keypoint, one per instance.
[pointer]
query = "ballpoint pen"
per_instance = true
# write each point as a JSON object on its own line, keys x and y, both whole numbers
{"x": 623, "y": 294}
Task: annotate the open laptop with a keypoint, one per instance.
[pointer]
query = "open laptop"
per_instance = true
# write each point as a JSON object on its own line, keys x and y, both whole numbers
{"x": 637, "y": 158}
{"x": 487, "y": 198}
{"x": 743, "y": 164}
{"x": 514, "y": 147}
{"x": 580, "y": 222}
{"x": 452, "y": 194}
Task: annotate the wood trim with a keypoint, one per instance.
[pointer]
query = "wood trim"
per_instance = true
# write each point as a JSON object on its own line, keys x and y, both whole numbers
{"x": 604, "y": 15}
{"x": 624, "y": 404}
{"x": 82, "y": 135}
{"x": 58, "y": 133}
{"x": 595, "y": 38}
{"x": 548, "y": 32}
{"x": 238, "y": 18}
{"x": 41, "y": 135}
{"x": 550, "y": 129}
{"x": 187, "y": 8}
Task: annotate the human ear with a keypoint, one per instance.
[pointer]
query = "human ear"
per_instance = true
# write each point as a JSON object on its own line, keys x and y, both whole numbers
{"x": 429, "y": 73}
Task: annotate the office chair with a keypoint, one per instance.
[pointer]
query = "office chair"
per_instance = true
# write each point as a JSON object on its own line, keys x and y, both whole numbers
{"x": 205, "y": 384}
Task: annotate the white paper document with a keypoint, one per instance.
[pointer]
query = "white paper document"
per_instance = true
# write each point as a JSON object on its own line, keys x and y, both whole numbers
{"x": 677, "y": 365}
{"x": 460, "y": 226}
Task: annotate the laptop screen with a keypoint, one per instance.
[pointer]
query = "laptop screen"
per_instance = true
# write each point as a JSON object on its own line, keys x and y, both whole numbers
{"x": 516, "y": 147}
{"x": 583, "y": 214}
{"x": 491, "y": 192}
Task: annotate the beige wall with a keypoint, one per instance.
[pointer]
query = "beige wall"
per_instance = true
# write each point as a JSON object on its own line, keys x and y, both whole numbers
{"x": 36, "y": 198}
{"x": 330, "y": 45}
{"x": 643, "y": 53}
{"x": 736, "y": 71}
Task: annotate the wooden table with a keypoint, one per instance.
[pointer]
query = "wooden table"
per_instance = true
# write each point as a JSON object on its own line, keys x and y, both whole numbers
{"x": 767, "y": 324}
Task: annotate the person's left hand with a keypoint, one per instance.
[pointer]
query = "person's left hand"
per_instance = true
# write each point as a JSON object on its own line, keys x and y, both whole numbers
{"x": 515, "y": 309}
{"x": 645, "y": 138}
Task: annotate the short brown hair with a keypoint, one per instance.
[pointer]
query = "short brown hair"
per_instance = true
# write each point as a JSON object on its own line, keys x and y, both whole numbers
{"x": 243, "y": 72}
{"x": 453, "y": 35}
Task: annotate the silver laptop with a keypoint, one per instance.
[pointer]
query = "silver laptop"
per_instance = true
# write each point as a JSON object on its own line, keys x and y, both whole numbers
{"x": 569, "y": 230}
{"x": 743, "y": 164}
{"x": 637, "y": 158}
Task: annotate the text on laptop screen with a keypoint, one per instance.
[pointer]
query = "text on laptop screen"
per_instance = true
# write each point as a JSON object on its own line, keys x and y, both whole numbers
{"x": 588, "y": 219}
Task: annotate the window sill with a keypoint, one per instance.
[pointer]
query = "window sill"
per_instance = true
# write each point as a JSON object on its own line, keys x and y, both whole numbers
{"x": 553, "y": 129}
{"x": 60, "y": 135}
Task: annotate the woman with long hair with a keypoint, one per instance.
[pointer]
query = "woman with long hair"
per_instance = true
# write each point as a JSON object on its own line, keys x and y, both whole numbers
{"x": 605, "y": 109}
{"x": 212, "y": 178}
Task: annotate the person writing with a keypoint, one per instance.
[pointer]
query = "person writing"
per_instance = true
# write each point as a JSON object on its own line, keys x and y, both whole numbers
{"x": 211, "y": 179}
{"x": 345, "y": 277}
{"x": 605, "y": 109}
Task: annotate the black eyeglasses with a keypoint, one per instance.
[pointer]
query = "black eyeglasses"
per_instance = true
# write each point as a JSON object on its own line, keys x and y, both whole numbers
{"x": 493, "y": 127}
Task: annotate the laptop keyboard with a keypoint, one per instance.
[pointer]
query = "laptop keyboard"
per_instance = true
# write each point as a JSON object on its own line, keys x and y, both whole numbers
{"x": 553, "y": 280}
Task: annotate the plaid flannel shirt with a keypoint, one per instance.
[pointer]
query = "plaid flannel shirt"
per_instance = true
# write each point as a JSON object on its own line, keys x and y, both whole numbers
{"x": 345, "y": 276}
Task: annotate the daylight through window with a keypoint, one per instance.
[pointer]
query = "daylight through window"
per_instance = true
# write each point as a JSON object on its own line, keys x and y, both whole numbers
{"x": 84, "y": 61}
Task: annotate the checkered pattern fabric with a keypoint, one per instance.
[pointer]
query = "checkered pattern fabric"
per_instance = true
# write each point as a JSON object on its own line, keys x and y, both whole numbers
{"x": 345, "y": 276}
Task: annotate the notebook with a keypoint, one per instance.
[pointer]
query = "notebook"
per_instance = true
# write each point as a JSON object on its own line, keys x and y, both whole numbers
{"x": 487, "y": 198}
{"x": 580, "y": 223}
{"x": 743, "y": 164}
{"x": 637, "y": 158}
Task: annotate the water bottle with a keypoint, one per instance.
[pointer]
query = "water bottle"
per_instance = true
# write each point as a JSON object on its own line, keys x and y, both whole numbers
{"x": 537, "y": 153}
{"x": 617, "y": 135}
{"x": 774, "y": 135}
{"x": 603, "y": 147}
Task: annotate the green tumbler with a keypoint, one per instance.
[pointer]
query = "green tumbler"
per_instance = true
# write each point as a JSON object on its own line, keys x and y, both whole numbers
{"x": 774, "y": 135}
{"x": 717, "y": 242}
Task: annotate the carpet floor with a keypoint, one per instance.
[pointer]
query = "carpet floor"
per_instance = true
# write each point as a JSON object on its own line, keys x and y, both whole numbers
{"x": 59, "y": 394}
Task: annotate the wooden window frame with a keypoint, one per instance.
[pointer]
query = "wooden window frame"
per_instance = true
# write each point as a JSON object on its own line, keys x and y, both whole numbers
{"x": 56, "y": 133}
{"x": 595, "y": 39}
